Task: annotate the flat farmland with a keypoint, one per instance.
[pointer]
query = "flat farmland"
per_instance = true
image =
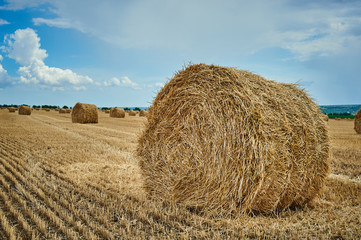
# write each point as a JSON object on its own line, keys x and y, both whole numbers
{"x": 60, "y": 180}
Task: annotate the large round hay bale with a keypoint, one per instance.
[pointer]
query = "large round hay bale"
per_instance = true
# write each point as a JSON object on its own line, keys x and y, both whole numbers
{"x": 358, "y": 122}
{"x": 24, "y": 110}
{"x": 225, "y": 141}
{"x": 117, "y": 113}
{"x": 84, "y": 113}
{"x": 143, "y": 113}
{"x": 132, "y": 113}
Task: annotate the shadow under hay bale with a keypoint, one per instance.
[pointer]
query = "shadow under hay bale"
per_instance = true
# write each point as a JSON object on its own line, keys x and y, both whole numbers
{"x": 117, "y": 113}
{"x": 226, "y": 141}
{"x": 84, "y": 113}
{"x": 24, "y": 110}
{"x": 357, "y": 122}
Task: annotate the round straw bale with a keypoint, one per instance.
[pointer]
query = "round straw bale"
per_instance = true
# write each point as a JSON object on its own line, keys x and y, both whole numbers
{"x": 108, "y": 111}
{"x": 117, "y": 113}
{"x": 11, "y": 109}
{"x": 24, "y": 110}
{"x": 68, "y": 110}
{"x": 84, "y": 113}
{"x": 358, "y": 121}
{"x": 225, "y": 141}
{"x": 132, "y": 113}
{"x": 62, "y": 110}
{"x": 143, "y": 113}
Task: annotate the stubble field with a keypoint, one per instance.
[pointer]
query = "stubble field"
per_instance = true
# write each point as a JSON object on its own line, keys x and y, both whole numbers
{"x": 60, "y": 180}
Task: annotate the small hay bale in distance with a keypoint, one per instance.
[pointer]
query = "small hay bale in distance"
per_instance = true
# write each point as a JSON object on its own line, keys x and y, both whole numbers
{"x": 68, "y": 110}
{"x": 225, "y": 141}
{"x": 84, "y": 113}
{"x": 325, "y": 117}
{"x": 143, "y": 113}
{"x": 132, "y": 113}
{"x": 107, "y": 111}
{"x": 12, "y": 109}
{"x": 117, "y": 113}
{"x": 357, "y": 122}
{"x": 24, "y": 110}
{"x": 61, "y": 111}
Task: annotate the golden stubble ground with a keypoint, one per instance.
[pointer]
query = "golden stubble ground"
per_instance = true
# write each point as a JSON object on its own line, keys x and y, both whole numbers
{"x": 60, "y": 180}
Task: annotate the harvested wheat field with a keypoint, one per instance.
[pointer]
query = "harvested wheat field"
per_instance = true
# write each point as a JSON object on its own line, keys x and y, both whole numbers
{"x": 61, "y": 180}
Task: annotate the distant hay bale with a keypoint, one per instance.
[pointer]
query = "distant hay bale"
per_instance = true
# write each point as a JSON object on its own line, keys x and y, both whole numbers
{"x": 37, "y": 109}
{"x": 225, "y": 141}
{"x": 325, "y": 117}
{"x": 106, "y": 111}
{"x": 68, "y": 110}
{"x": 56, "y": 109}
{"x": 358, "y": 122}
{"x": 84, "y": 113}
{"x": 62, "y": 110}
{"x": 143, "y": 113}
{"x": 24, "y": 110}
{"x": 117, "y": 113}
{"x": 132, "y": 113}
{"x": 12, "y": 109}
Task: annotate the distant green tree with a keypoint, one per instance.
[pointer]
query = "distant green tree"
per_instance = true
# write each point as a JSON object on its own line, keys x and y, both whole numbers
{"x": 126, "y": 109}
{"x": 65, "y": 107}
{"x": 137, "y": 109}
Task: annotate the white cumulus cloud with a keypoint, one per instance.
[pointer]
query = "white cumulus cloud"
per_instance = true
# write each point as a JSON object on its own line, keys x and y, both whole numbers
{"x": 24, "y": 47}
{"x": 39, "y": 73}
{"x": 5, "y": 79}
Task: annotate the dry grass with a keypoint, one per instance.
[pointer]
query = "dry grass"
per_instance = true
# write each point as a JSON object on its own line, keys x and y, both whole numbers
{"x": 60, "y": 180}
{"x": 84, "y": 113}
{"x": 357, "y": 125}
{"x": 225, "y": 141}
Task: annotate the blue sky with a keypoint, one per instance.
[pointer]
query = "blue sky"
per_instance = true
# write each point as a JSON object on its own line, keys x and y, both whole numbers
{"x": 120, "y": 53}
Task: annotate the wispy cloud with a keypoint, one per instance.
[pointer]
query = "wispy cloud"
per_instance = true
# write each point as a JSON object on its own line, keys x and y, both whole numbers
{"x": 123, "y": 82}
{"x": 3, "y": 22}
